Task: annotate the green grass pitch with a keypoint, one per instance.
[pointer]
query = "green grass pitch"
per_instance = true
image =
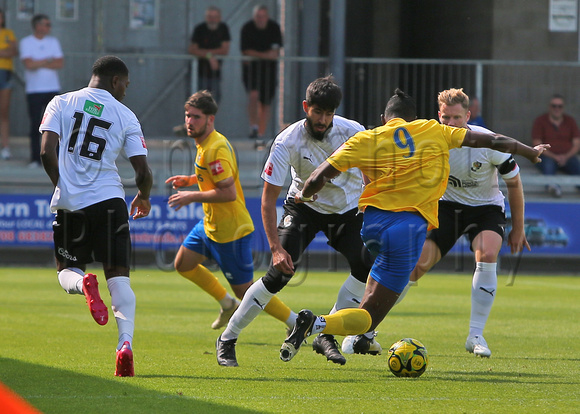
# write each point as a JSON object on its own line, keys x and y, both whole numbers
{"x": 55, "y": 356}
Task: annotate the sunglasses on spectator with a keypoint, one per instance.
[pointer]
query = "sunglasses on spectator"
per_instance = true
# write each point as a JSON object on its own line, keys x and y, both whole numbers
{"x": 559, "y": 106}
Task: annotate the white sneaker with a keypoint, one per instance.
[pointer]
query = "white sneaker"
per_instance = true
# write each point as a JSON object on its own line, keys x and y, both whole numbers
{"x": 477, "y": 345}
{"x": 363, "y": 345}
{"x": 347, "y": 344}
{"x": 5, "y": 154}
{"x": 225, "y": 315}
{"x": 34, "y": 165}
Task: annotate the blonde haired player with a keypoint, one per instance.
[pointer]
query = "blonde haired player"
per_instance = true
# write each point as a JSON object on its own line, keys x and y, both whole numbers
{"x": 474, "y": 205}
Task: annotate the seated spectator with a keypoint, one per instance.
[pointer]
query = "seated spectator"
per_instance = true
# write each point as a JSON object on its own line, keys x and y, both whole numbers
{"x": 561, "y": 132}
{"x": 475, "y": 117}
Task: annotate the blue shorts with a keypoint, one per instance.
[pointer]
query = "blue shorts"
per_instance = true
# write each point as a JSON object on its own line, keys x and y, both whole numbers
{"x": 5, "y": 79}
{"x": 234, "y": 258}
{"x": 396, "y": 239}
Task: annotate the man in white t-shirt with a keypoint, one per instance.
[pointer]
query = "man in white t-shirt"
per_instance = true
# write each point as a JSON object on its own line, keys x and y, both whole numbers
{"x": 474, "y": 205}
{"x": 90, "y": 127}
{"x": 300, "y": 148}
{"x": 42, "y": 57}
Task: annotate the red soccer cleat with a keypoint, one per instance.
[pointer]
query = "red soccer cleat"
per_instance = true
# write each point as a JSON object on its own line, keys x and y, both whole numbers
{"x": 125, "y": 361}
{"x": 96, "y": 306}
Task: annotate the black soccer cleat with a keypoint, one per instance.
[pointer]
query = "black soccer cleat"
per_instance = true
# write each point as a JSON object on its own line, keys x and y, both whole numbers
{"x": 225, "y": 352}
{"x": 302, "y": 329}
{"x": 364, "y": 345}
{"x": 326, "y": 345}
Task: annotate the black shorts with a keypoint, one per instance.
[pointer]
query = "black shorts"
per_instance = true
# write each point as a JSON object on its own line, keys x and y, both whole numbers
{"x": 299, "y": 226}
{"x": 456, "y": 219}
{"x": 261, "y": 76}
{"x": 98, "y": 232}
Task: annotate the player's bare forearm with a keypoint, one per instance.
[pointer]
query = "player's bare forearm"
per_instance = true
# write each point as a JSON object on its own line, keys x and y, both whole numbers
{"x": 503, "y": 143}
{"x": 516, "y": 239}
{"x": 49, "y": 156}
{"x": 320, "y": 176}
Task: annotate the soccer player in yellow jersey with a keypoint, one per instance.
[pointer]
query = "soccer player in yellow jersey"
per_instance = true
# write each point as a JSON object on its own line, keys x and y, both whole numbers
{"x": 226, "y": 231}
{"x": 407, "y": 162}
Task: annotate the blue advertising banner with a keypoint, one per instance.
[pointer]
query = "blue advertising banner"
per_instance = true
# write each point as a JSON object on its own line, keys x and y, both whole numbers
{"x": 26, "y": 221}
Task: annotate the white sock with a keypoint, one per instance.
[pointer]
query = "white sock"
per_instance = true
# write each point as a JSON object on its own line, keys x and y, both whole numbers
{"x": 291, "y": 321}
{"x": 123, "y": 306}
{"x": 404, "y": 292}
{"x": 71, "y": 280}
{"x": 483, "y": 291}
{"x": 227, "y": 302}
{"x": 255, "y": 300}
{"x": 318, "y": 325}
{"x": 349, "y": 295}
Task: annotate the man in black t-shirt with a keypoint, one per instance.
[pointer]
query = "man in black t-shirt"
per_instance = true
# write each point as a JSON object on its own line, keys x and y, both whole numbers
{"x": 261, "y": 39}
{"x": 209, "y": 40}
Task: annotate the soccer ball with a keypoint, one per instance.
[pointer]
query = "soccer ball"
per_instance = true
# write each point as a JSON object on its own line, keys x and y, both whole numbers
{"x": 407, "y": 358}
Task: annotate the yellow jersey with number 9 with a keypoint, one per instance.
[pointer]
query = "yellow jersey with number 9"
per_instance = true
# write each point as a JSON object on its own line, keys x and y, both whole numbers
{"x": 407, "y": 164}
{"x": 215, "y": 161}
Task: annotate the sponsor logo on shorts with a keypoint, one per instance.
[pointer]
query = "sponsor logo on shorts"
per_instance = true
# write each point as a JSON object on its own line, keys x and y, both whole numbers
{"x": 287, "y": 221}
{"x": 93, "y": 108}
{"x": 64, "y": 253}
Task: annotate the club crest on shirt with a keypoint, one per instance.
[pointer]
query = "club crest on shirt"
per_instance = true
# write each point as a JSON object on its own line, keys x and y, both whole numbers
{"x": 287, "y": 221}
{"x": 476, "y": 166}
{"x": 216, "y": 167}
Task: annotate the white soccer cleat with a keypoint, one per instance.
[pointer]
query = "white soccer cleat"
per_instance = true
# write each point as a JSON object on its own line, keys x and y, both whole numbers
{"x": 347, "y": 344}
{"x": 225, "y": 315}
{"x": 477, "y": 346}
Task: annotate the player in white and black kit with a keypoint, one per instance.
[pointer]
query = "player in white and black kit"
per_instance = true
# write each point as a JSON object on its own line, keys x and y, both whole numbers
{"x": 474, "y": 205}
{"x": 90, "y": 127}
{"x": 302, "y": 147}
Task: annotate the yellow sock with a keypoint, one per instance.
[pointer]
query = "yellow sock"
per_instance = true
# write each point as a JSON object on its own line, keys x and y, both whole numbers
{"x": 278, "y": 309}
{"x": 206, "y": 280}
{"x": 349, "y": 321}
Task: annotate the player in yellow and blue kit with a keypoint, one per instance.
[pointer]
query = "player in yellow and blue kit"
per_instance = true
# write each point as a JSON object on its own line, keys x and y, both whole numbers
{"x": 407, "y": 162}
{"x": 225, "y": 233}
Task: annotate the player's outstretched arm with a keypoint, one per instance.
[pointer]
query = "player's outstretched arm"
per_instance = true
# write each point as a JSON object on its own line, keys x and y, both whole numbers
{"x": 323, "y": 173}
{"x": 503, "y": 143}
{"x": 141, "y": 205}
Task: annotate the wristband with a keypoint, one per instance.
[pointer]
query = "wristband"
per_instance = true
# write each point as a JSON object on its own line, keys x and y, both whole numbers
{"x": 306, "y": 199}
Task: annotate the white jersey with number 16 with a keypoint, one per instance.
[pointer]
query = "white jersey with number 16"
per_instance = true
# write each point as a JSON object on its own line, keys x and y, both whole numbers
{"x": 93, "y": 128}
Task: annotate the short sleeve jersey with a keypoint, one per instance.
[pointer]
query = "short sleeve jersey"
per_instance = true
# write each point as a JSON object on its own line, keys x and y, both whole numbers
{"x": 406, "y": 162}
{"x": 93, "y": 128}
{"x": 42, "y": 79}
{"x": 473, "y": 175}
{"x": 261, "y": 40}
{"x": 559, "y": 137}
{"x": 294, "y": 148}
{"x": 6, "y": 37}
{"x": 214, "y": 162}
{"x": 209, "y": 39}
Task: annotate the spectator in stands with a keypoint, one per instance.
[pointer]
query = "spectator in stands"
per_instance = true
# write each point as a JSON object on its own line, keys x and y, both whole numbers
{"x": 475, "y": 117}
{"x": 8, "y": 49}
{"x": 42, "y": 57}
{"x": 210, "y": 40}
{"x": 561, "y": 132}
{"x": 261, "y": 39}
